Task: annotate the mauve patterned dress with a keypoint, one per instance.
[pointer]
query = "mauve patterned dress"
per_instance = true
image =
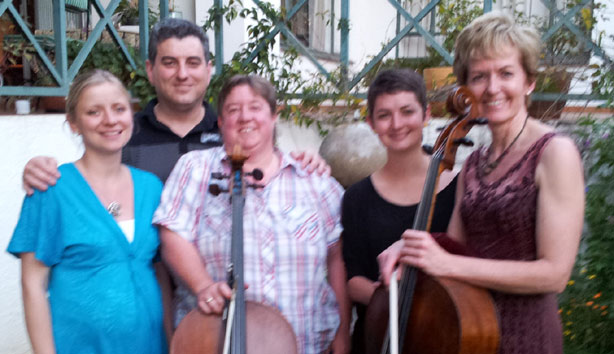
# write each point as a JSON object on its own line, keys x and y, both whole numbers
{"x": 499, "y": 215}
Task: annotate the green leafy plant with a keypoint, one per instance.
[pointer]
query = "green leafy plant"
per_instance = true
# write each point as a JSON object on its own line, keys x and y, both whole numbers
{"x": 587, "y": 303}
{"x": 417, "y": 64}
{"x": 452, "y": 17}
{"x": 552, "y": 79}
{"x": 280, "y": 68}
{"x": 109, "y": 57}
{"x": 564, "y": 47}
{"x": 603, "y": 82}
{"x": 16, "y": 50}
{"x": 106, "y": 56}
{"x": 127, "y": 13}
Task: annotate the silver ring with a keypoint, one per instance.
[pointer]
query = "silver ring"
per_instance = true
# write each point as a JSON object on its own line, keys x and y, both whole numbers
{"x": 209, "y": 299}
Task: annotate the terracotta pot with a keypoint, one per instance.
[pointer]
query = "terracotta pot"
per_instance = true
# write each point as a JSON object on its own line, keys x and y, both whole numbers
{"x": 547, "y": 109}
{"x": 551, "y": 80}
{"x": 53, "y": 104}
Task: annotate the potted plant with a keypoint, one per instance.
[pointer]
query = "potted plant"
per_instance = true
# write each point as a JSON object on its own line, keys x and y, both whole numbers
{"x": 438, "y": 80}
{"x": 452, "y": 17}
{"x": 49, "y": 104}
{"x": 553, "y": 79}
{"x": 127, "y": 12}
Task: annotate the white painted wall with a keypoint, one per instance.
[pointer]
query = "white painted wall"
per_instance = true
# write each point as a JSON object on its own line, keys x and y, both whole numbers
{"x": 372, "y": 23}
{"x": 22, "y": 137}
{"x": 604, "y": 15}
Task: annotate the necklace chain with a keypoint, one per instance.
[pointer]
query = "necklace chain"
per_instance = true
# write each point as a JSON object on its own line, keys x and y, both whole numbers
{"x": 488, "y": 167}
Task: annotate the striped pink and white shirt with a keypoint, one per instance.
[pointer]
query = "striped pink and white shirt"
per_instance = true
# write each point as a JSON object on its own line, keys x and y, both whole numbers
{"x": 288, "y": 227}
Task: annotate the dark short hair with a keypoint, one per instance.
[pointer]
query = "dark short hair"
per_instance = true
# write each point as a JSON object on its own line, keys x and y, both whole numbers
{"x": 175, "y": 28}
{"x": 260, "y": 85}
{"x": 397, "y": 80}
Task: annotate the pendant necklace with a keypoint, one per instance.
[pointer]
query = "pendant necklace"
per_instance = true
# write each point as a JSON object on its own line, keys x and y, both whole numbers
{"x": 114, "y": 208}
{"x": 488, "y": 167}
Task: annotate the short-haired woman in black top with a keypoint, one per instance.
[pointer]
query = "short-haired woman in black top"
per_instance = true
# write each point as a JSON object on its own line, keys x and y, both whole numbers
{"x": 377, "y": 210}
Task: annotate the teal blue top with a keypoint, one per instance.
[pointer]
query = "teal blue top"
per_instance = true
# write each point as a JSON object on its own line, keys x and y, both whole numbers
{"x": 103, "y": 293}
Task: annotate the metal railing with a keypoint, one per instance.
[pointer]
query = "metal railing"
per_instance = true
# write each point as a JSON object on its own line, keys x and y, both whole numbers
{"x": 63, "y": 74}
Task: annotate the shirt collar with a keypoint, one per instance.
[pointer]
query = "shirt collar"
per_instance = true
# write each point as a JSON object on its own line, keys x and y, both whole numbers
{"x": 207, "y": 124}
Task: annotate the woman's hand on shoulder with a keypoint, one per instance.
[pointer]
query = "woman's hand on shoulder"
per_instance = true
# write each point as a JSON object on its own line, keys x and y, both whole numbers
{"x": 312, "y": 161}
{"x": 40, "y": 173}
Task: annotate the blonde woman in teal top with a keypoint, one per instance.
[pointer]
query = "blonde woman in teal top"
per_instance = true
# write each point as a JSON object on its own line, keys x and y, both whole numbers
{"x": 87, "y": 245}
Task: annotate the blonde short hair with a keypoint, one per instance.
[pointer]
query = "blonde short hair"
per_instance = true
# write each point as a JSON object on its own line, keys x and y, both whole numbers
{"x": 85, "y": 80}
{"x": 488, "y": 35}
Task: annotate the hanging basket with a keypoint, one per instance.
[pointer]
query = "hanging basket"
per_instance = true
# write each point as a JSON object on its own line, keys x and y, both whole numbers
{"x": 551, "y": 80}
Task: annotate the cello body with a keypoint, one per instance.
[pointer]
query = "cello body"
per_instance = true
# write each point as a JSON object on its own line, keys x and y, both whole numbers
{"x": 268, "y": 332}
{"x": 447, "y": 316}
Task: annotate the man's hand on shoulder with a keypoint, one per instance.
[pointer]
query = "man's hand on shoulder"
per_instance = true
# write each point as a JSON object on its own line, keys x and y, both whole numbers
{"x": 40, "y": 173}
{"x": 312, "y": 161}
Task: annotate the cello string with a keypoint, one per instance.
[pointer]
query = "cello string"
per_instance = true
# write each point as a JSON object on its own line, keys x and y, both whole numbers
{"x": 408, "y": 283}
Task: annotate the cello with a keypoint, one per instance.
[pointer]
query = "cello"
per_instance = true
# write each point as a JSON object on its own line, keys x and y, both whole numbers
{"x": 245, "y": 326}
{"x": 437, "y": 315}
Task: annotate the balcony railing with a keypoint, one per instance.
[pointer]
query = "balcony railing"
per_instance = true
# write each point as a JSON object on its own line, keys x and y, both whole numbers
{"x": 63, "y": 73}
